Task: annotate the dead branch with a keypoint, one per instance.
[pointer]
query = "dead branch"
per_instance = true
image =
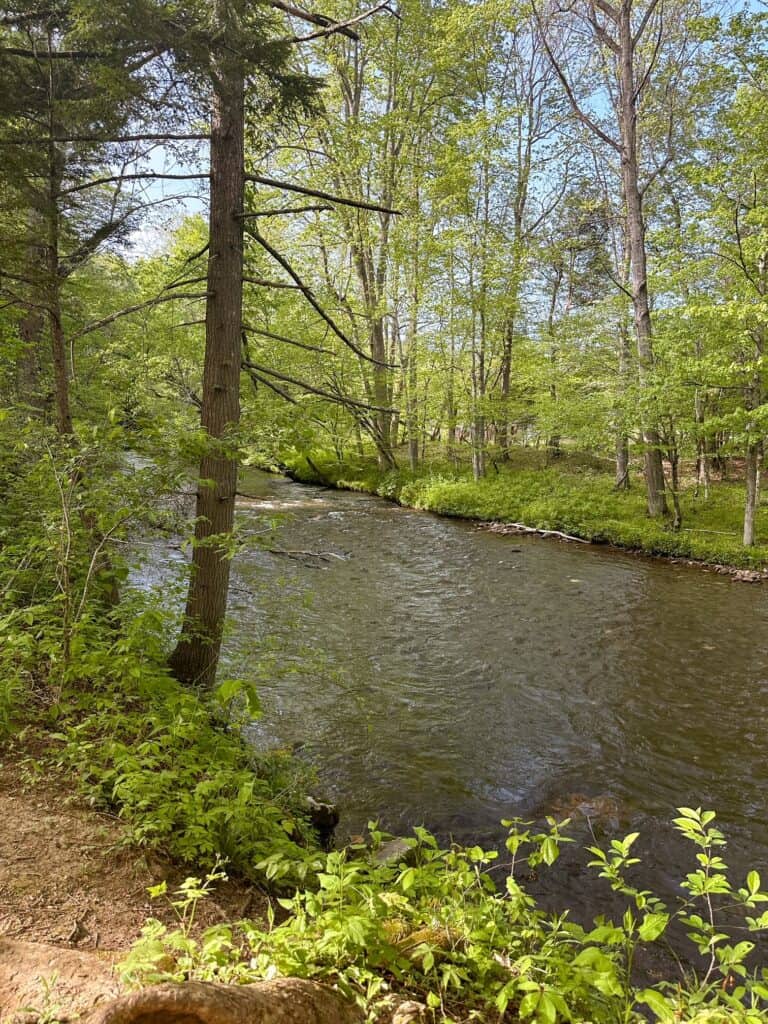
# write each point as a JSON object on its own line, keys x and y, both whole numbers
{"x": 339, "y": 27}
{"x": 313, "y": 19}
{"x": 310, "y": 297}
{"x": 285, "y": 209}
{"x": 98, "y": 324}
{"x": 263, "y": 282}
{"x": 338, "y": 398}
{"x": 504, "y": 528}
{"x": 141, "y": 176}
{"x": 358, "y": 204}
{"x": 288, "y": 341}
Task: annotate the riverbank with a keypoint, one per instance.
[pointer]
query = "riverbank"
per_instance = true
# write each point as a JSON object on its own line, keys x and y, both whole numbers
{"x": 450, "y": 933}
{"x": 575, "y": 496}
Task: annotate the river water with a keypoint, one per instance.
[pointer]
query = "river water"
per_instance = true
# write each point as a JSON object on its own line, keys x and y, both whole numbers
{"x": 435, "y": 673}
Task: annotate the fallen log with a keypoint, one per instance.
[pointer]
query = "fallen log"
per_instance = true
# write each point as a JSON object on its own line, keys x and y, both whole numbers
{"x": 282, "y": 1001}
{"x": 522, "y": 528}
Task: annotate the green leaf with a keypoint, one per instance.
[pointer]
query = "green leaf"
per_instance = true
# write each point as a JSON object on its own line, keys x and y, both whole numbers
{"x": 652, "y": 926}
{"x": 658, "y": 1004}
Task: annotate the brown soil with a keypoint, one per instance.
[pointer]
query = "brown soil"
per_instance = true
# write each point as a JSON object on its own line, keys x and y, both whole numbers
{"x": 68, "y": 880}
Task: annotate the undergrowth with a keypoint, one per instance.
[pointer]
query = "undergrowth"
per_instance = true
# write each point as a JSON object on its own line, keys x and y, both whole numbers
{"x": 83, "y": 677}
{"x": 433, "y": 926}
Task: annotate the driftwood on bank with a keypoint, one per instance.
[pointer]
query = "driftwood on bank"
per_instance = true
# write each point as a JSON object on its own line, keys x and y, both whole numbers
{"x": 522, "y": 528}
{"x": 282, "y": 1001}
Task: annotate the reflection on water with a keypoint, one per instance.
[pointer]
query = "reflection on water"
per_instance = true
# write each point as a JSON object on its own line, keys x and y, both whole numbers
{"x": 445, "y": 675}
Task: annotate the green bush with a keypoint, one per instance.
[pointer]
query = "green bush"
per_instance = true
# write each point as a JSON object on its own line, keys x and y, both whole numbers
{"x": 434, "y": 926}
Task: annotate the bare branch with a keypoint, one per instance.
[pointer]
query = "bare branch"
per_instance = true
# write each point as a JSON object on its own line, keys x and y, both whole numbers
{"x": 649, "y": 12}
{"x": 340, "y": 398}
{"x": 287, "y": 341}
{"x": 105, "y": 139}
{"x": 144, "y": 175}
{"x": 310, "y": 297}
{"x": 186, "y": 323}
{"x": 585, "y": 119}
{"x": 602, "y": 34}
{"x": 98, "y": 324}
{"x": 285, "y": 209}
{"x": 257, "y": 378}
{"x": 263, "y": 282}
{"x": 185, "y": 282}
{"x": 313, "y": 19}
{"x": 319, "y": 194}
{"x": 17, "y": 51}
{"x": 608, "y": 9}
{"x": 339, "y": 27}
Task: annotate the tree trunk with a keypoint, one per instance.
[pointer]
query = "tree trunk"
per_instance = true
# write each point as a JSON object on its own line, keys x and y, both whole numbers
{"x": 53, "y": 303}
{"x": 478, "y": 447}
{"x": 28, "y": 362}
{"x": 622, "y": 441}
{"x": 702, "y": 456}
{"x": 60, "y": 371}
{"x": 507, "y": 431}
{"x": 654, "y": 471}
{"x": 752, "y": 475}
{"x": 196, "y": 656}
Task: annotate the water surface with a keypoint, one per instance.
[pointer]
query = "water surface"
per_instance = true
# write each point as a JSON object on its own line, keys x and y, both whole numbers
{"x": 439, "y": 674}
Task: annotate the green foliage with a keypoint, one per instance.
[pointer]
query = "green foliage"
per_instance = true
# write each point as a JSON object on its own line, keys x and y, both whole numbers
{"x": 89, "y": 673}
{"x": 437, "y": 927}
{"x": 177, "y": 768}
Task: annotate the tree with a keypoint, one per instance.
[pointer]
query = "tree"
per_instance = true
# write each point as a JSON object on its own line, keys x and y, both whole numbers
{"x": 631, "y": 42}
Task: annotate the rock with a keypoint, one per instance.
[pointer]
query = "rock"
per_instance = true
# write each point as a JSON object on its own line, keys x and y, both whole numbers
{"x": 410, "y": 1012}
{"x": 324, "y": 818}
{"x": 602, "y": 809}
{"x": 396, "y": 851}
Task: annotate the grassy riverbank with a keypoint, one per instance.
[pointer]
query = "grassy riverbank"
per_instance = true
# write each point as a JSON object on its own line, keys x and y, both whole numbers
{"x": 575, "y": 495}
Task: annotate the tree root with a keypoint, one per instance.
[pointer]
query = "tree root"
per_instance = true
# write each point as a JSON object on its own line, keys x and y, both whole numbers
{"x": 283, "y": 1001}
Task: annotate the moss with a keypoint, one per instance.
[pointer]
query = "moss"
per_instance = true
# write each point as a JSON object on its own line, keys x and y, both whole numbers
{"x": 576, "y": 496}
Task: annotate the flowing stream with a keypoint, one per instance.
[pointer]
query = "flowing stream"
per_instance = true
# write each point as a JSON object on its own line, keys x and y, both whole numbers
{"x": 438, "y": 674}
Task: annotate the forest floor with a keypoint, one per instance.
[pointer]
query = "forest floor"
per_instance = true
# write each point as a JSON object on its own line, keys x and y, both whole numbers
{"x": 574, "y": 494}
{"x": 68, "y": 882}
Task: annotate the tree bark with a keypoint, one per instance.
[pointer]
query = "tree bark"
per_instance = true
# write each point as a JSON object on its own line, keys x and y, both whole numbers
{"x": 28, "y": 362}
{"x": 53, "y": 289}
{"x": 654, "y": 470}
{"x": 622, "y": 441}
{"x": 751, "y": 472}
{"x": 196, "y": 656}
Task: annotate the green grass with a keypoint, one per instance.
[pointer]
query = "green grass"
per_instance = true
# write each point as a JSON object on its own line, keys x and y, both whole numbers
{"x": 575, "y": 495}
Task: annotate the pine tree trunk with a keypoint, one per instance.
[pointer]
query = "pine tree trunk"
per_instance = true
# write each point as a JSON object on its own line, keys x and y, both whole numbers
{"x": 28, "y": 362}
{"x": 55, "y": 326}
{"x": 196, "y": 656}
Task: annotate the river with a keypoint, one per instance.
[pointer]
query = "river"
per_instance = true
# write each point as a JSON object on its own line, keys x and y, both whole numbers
{"x": 436, "y": 673}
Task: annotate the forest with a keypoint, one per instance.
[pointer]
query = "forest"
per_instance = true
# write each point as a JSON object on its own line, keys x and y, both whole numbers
{"x": 266, "y": 265}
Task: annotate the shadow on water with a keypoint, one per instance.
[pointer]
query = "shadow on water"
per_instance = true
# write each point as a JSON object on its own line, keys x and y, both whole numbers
{"x": 443, "y": 675}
